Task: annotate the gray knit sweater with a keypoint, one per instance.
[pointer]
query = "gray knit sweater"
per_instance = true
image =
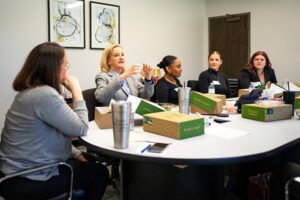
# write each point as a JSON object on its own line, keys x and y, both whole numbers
{"x": 38, "y": 130}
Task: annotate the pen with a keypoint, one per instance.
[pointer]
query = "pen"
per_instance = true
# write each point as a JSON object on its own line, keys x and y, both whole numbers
{"x": 146, "y": 148}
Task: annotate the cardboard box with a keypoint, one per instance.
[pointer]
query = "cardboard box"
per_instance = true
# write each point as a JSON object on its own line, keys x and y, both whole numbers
{"x": 205, "y": 103}
{"x": 146, "y": 107}
{"x": 174, "y": 124}
{"x": 297, "y": 102}
{"x": 243, "y": 91}
{"x": 103, "y": 117}
{"x": 267, "y": 112}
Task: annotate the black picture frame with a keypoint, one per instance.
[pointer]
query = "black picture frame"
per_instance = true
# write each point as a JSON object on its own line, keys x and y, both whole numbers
{"x": 104, "y": 25}
{"x": 66, "y": 23}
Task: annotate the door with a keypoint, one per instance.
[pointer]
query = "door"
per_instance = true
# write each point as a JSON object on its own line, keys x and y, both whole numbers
{"x": 230, "y": 35}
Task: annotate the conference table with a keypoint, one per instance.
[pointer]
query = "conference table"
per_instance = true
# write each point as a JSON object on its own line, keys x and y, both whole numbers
{"x": 147, "y": 175}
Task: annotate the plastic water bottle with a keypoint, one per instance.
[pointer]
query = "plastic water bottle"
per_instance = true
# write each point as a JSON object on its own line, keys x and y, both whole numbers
{"x": 285, "y": 84}
{"x": 211, "y": 88}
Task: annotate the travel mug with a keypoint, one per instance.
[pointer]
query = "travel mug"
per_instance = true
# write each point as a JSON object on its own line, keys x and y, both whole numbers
{"x": 184, "y": 99}
{"x": 289, "y": 97}
{"x": 121, "y": 117}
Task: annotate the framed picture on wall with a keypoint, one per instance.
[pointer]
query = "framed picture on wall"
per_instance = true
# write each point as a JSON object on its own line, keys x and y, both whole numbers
{"x": 66, "y": 23}
{"x": 104, "y": 25}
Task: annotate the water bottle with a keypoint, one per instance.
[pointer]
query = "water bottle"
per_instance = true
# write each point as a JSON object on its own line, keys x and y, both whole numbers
{"x": 285, "y": 84}
{"x": 251, "y": 87}
{"x": 211, "y": 88}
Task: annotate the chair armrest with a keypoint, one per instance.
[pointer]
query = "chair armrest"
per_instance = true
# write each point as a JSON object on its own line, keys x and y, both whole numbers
{"x": 27, "y": 171}
{"x": 286, "y": 187}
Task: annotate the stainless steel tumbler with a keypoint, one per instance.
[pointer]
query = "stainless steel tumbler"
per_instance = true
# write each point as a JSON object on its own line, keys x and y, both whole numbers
{"x": 184, "y": 99}
{"x": 121, "y": 116}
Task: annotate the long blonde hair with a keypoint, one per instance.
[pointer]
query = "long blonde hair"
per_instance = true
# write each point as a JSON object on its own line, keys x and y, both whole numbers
{"x": 104, "y": 67}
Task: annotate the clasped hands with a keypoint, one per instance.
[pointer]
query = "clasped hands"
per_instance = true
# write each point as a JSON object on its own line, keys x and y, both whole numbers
{"x": 136, "y": 69}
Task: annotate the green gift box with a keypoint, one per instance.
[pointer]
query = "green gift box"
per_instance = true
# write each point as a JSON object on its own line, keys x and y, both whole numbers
{"x": 205, "y": 103}
{"x": 267, "y": 112}
{"x": 146, "y": 107}
{"x": 297, "y": 102}
{"x": 174, "y": 124}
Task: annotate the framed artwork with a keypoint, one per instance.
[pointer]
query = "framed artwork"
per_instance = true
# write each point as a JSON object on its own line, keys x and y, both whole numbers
{"x": 66, "y": 23}
{"x": 104, "y": 25}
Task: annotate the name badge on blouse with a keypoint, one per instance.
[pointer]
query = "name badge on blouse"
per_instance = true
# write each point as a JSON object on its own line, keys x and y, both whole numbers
{"x": 255, "y": 84}
{"x": 216, "y": 83}
{"x": 176, "y": 89}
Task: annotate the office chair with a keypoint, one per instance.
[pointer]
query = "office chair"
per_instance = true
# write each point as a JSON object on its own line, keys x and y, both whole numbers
{"x": 91, "y": 102}
{"x": 71, "y": 194}
{"x": 287, "y": 188}
{"x": 193, "y": 84}
{"x": 234, "y": 86}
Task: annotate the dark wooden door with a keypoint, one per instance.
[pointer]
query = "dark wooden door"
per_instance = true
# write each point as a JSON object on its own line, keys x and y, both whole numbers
{"x": 230, "y": 35}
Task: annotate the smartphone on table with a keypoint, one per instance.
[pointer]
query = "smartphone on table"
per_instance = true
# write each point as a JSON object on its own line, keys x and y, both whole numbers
{"x": 157, "y": 147}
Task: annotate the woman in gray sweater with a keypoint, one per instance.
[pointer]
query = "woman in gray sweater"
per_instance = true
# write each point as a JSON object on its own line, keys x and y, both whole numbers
{"x": 38, "y": 129}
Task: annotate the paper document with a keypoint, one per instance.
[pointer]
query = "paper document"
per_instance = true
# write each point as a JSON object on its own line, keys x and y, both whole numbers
{"x": 135, "y": 101}
{"x": 276, "y": 89}
{"x": 138, "y": 136}
{"x": 224, "y": 132}
{"x": 294, "y": 87}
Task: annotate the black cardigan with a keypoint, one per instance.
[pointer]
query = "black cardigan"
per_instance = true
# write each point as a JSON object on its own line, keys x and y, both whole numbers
{"x": 247, "y": 76}
{"x": 207, "y": 76}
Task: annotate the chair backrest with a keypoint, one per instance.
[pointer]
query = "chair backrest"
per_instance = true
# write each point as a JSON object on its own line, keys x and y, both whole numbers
{"x": 91, "y": 102}
{"x": 193, "y": 84}
{"x": 234, "y": 86}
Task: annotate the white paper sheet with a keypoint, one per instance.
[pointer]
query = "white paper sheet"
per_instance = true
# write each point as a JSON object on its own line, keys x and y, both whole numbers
{"x": 293, "y": 87}
{"x": 135, "y": 101}
{"x": 138, "y": 136}
{"x": 223, "y": 132}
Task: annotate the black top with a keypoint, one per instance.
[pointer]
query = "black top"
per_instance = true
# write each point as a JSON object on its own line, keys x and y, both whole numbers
{"x": 166, "y": 92}
{"x": 247, "y": 76}
{"x": 207, "y": 76}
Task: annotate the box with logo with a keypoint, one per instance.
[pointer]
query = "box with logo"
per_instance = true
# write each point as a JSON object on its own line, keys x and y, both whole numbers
{"x": 146, "y": 107}
{"x": 267, "y": 112}
{"x": 174, "y": 124}
{"x": 297, "y": 102}
{"x": 205, "y": 103}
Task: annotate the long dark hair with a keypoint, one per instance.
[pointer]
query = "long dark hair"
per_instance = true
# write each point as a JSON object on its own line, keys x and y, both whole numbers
{"x": 42, "y": 67}
{"x": 262, "y": 53}
{"x": 166, "y": 61}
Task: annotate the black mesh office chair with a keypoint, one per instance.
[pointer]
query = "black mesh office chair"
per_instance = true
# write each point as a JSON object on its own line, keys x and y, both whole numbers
{"x": 90, "y": 101}
{"x": 73, "y": 194}
{"x": 193, "y": 84}
{"x": 234, "y": 86}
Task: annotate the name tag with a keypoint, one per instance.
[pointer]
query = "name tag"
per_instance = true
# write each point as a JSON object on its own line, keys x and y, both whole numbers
{"x": 216, "y": 83}
{"x": 176, "y": 89}
{"x": 255, "y": 84}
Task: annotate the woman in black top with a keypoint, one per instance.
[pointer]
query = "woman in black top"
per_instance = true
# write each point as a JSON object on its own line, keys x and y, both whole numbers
{"x": 258, "y": 70}
{"x": 166, "y": 89}
{"x": 213, "y": 75}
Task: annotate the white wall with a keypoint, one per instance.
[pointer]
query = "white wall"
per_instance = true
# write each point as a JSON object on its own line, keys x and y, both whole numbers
{"x": 150, "y": 29}
{"x": 274, "y": 29}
